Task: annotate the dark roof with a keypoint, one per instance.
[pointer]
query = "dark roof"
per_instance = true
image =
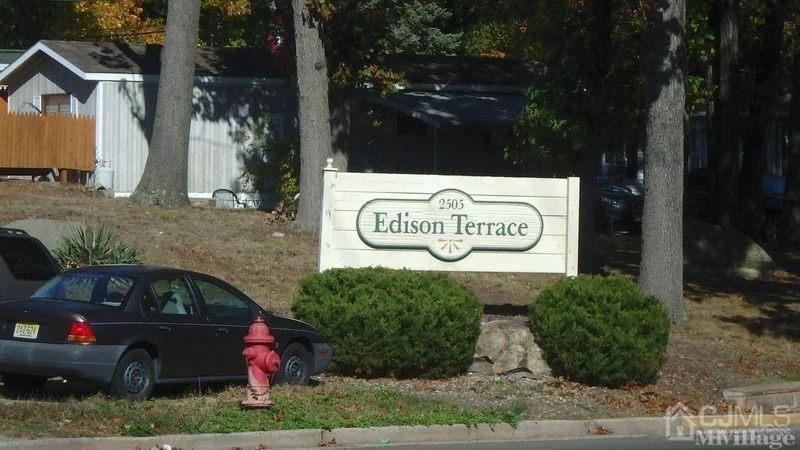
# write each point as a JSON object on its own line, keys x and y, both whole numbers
{"x": 463, "y": 70}
{"x": 454, "y": 109}
{"x": 7, "y": 56}
{"x": 109, "y": 57}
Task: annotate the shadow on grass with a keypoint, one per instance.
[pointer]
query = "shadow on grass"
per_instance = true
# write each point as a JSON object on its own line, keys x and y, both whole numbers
{"x": 56, "y": 390}
{"x": 776, "y": 303}
{"x": 767, "y": 307}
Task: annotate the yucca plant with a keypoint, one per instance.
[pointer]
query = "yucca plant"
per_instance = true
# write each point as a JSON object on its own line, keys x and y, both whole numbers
{"x": 91, "y": 246}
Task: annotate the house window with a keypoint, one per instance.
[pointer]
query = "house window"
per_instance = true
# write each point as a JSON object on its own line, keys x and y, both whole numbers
{"x": 56, "y": 104}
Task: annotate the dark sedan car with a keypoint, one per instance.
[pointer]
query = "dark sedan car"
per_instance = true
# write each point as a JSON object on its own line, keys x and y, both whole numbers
{"x": 130, "y": 327}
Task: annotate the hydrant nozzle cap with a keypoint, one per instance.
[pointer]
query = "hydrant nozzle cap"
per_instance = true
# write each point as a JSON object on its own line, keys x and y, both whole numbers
{"x": 259, "y": 333}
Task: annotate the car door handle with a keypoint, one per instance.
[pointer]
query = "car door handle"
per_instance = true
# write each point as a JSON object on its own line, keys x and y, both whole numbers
{"x": 222, "y": 330}
{"x": 164, "y": 328}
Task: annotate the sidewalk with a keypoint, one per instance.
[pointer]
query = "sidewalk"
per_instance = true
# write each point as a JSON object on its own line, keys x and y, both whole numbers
{"x": 349, "y": 437}
{"x": 314, "y": 438}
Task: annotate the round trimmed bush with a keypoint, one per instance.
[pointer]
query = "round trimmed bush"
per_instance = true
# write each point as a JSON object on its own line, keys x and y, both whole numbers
{"x": 398, "y": 323}
{"x": 601, "y": 330}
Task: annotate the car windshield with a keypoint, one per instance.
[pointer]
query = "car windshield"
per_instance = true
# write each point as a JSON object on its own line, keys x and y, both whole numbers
{"x": 98, "y": 288}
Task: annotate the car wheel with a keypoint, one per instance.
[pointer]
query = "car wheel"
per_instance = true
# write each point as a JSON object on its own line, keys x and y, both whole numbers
{"x": 134, "y": 376}
{"x": 296, "y": 365}
{"x": 22, "y": 384}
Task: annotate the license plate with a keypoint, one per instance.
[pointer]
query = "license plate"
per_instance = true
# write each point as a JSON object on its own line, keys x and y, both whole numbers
{"x": 26, "y": 330}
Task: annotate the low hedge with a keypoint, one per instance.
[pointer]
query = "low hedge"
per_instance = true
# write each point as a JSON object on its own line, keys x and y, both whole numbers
{"x": 398, "y": 323}
{"x": 601, "y": 330}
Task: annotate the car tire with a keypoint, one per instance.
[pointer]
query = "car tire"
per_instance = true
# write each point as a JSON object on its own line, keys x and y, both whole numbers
{"x": 15, "y": 383}
{"x": 296, "y": 365}
{"x": 134, "y": 377}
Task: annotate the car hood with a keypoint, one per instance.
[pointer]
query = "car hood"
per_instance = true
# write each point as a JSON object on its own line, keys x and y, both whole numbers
{"x": 289, "y": 322}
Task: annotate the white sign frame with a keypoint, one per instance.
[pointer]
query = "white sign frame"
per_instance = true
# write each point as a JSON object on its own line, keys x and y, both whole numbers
{"x": 345, "y": 243}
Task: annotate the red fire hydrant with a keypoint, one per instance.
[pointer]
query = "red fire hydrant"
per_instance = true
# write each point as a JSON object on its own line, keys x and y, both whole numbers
{"x": 261, "y": 363}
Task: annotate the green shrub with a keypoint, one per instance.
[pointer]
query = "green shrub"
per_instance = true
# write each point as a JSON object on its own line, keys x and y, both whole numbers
{"x": 90, "y": 246}
{"x": 399, "y": 323}
{"x": 601, "y": 330}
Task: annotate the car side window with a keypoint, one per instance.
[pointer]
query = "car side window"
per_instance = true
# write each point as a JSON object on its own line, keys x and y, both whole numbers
{"x": 174, "y": 297}
{"x": 221, "y": 303}
{"x": 150, "y": 303}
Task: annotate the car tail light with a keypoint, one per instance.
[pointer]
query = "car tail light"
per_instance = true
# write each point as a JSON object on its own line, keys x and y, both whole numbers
{"x": 81, "y": 333}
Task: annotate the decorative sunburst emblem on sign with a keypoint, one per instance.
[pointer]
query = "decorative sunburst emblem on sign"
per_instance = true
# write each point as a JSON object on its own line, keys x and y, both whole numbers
{"x": 451, "y": 244}
{"x": 449, "y": 225}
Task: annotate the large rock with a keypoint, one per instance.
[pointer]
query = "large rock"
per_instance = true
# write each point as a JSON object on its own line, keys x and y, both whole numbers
{"x": 506, "y": 346}
{"x": 713, "y": 250}
{"x": 48, "y": 231}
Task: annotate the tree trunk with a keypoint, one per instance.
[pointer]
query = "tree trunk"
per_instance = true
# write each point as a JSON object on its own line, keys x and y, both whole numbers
{"x": 661, "y": 272}
{"x": 341, "y": 106}
{"x": 751, "y": 212}
{"x": 725, "y": 153}
{"x": 790, "y": 220}
{"x": 164, "y": 180}
{"x": 767, "y": 90}
{"x": 315, "y": 124}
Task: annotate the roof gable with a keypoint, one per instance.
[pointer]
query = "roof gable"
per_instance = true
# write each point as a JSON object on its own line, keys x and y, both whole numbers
{"x": 117, "y": 61}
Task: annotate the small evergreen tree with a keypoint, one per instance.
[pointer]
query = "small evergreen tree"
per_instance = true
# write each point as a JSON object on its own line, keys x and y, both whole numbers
{"x": 418, "y": 30}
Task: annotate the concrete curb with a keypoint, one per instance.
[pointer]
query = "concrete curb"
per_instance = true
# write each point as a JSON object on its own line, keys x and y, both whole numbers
{"x": 314, "y": 438}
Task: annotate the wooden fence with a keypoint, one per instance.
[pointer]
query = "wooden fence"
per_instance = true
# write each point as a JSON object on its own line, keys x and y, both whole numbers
{"x": 46, "y": 142}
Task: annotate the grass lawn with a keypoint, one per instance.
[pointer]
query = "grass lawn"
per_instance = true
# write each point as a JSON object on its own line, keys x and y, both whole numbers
{"x": 295, "y": 408}
{"x": 738, "y": 333}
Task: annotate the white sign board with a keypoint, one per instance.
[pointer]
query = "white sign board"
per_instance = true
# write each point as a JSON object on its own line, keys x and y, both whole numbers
{"x": 449, "y": 223}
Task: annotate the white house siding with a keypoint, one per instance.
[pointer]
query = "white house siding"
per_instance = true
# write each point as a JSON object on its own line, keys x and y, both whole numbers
{"x": 46, "y": 76}
{"x": 215, "y": 154}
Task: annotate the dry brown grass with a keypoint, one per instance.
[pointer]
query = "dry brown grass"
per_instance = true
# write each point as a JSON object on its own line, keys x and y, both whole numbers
{"x": 237, "y": 246}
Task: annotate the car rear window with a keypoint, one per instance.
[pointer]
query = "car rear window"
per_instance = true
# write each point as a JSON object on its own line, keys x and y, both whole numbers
{"x": 103, "y": 289}
{"x": 26, "y": 259}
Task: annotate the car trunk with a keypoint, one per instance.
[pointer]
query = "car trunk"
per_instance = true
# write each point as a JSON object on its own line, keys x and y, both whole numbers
{"x": 53, "y": 318}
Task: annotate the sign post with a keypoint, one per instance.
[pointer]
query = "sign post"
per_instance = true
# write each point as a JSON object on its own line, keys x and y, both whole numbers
{"x": 450, "y": 223}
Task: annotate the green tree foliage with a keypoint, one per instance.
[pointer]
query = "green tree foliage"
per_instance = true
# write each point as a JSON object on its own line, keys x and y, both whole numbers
{"x": 358, "y": 34}
{"x": 392, "y": 322}
{"x": 601, "y": 330}
{"x": 22, "y": 23}
{"x": 418, "y": 30}
{"x": 588, "y": 97}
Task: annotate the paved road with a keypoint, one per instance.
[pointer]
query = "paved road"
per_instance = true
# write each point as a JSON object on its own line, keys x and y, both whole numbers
{"x": 597, "y": 443}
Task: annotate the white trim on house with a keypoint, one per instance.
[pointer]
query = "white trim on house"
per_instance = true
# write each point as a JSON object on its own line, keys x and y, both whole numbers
{"x": 98, "y": 76}
{"x": 95, "y": 76}
{"x": 98, "y": 123}
{"x": 192, "y": 195}
{"x": 40, "y": 47}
